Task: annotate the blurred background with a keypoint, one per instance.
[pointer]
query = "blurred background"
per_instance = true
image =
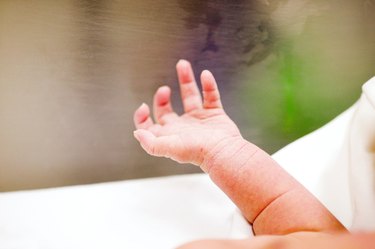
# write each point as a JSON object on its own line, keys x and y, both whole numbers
{"x": 73, "y": 71}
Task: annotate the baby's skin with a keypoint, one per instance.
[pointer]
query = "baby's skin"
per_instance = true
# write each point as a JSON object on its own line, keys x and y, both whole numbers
{"x": 268, "y": 197}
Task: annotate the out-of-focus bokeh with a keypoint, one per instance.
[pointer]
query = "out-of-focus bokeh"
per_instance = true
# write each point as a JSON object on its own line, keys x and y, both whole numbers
{"x": 73, "y": 71}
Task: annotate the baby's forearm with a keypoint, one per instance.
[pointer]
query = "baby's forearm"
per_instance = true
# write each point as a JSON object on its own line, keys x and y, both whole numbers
{"x": 270, "y": 199}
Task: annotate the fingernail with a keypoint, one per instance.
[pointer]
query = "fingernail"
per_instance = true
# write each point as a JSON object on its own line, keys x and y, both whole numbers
{"x": 164, "y": 88}
{"x": 140, "y": 106}
{"x": 143, "y": 106}
{"x": 183, "y": 62}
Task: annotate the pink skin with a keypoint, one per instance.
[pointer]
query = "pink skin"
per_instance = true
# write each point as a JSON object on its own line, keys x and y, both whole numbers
{"x": 305, "y": 240}
{"x": 271, "y": 200}
{"x": 191, "y": 136}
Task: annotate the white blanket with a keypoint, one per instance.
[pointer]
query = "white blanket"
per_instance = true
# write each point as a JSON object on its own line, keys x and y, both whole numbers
{"x": 148, "y": 213}
{"x": 336, "y": 163}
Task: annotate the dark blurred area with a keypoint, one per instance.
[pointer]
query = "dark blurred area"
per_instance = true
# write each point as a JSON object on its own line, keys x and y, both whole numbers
{"x": 73, "y": 72}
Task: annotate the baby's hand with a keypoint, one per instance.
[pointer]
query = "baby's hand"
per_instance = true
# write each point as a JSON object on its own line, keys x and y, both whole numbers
{"x": 194, "y": 136}
{"x": 269, "y": 198}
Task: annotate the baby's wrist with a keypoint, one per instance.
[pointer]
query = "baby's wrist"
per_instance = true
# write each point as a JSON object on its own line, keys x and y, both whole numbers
{"x": 228, "y": 150}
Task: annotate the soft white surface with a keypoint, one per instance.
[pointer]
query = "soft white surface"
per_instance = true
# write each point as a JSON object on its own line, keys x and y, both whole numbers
{"x": 150, "y": 213}
{"x": 337, "y": 163}
{"x": 311, "y": 160}
{"x": 361, "y": 144}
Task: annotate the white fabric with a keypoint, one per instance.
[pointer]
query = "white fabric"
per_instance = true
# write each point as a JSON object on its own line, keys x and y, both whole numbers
{"x": 361, "y": 144}
{"x": 150, "y": 213}
{"x": 336, "y": 163}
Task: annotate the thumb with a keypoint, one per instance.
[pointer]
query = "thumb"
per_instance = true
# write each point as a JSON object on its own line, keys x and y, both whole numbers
{"x": 146, "y": 139}
{"x": 162, "y": 146}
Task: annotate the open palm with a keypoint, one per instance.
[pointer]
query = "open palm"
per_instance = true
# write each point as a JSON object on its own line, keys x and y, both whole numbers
{"x": 193, "y": 136}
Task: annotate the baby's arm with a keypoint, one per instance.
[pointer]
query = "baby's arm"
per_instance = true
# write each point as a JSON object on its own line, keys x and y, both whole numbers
{"x": 269, "y": 198}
